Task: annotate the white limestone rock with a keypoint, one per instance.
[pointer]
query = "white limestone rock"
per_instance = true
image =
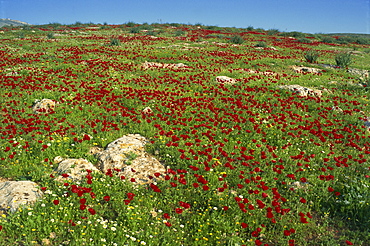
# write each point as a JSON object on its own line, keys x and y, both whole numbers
{"x": 14, "y": 194}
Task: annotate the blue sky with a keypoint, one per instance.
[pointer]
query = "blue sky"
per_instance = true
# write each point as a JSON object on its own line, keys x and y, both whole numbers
{"x": 311, "y": 16}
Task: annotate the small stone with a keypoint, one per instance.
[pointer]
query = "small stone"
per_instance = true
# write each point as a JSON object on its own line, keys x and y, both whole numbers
{"x": 225, "y": 80}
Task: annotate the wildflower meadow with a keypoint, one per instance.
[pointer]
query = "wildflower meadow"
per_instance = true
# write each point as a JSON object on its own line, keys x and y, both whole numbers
{"x": 247, "y": 163}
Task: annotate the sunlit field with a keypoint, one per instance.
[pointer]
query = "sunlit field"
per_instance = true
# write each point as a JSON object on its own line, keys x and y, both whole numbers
{"x": 248, "y": 162}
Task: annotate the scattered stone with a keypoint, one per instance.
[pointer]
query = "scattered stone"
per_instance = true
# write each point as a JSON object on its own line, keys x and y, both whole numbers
{"x": 43, "y": 106}
{"x": 298, "y": 185}
{"x": 147, "y": 65}
{"x": 337, "y": 109}
{"x": 363, "y": 74}
{"x": 367, "y": 123}
{"x": 14, "y": 194}
{"x": 147, "y": 110}
{"x": 74, "y": 169}
{"x": 302, "y": 69}
{"x": 128, "y": 155}
{"x": 302, "y": 91}
{"x": 225, "y": 80}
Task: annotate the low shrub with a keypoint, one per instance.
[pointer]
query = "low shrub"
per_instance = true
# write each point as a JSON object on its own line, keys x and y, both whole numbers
{"x": 311, "y": 56}
{"x": 343, "y": 59}
{"x": 114, "y": 42}
{"x": 237, "y": 39}
{"x": 261, "y": 44}
{"x": 50, "y": 35}
{"x": 305, "y": 40}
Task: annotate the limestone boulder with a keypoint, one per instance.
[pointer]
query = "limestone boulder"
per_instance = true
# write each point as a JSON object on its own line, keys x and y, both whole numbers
{"x": 302, "y": 91}
{"x": 225, "y": 80}
{"x": 73, "y": 169}
{"x": 367, "y": 123}
{"x": 43, "y": 106}
{"x": 127, "y": 154}
{"x": 147, "y": 65}
{"x": 14, "y": 194}
{"x": 302, "y": 69}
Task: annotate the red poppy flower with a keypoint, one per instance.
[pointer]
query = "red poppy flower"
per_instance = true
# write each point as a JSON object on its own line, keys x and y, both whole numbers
{"x": 302, "y": 200}
{"x": 244, "y": 225}
{"x": 166, "y": 216}
{"x": 56, "y": 202}
{"x": 92, "y": 211}
{"x": 349, "y": 242}
{"x": 106, "y": 198}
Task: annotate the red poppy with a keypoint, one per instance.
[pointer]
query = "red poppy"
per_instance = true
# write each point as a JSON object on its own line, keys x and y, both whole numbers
{"x": 56, "y": 202}
{"x": 166, "y": 216}
{"x": 92, "y": 211}
{"x": 302, "y": 200}
{"x": 244, "y": 225}
{"x": 106, "y": 198}
{"x": 349, "y": 242}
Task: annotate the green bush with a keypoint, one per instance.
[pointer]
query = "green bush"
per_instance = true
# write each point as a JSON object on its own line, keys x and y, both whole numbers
{"x": 135, "y": 29}
{"x": 305, "y": 40}
{"x": 179, "y": 33}
{"x": 261, "y": 44}
{"x": 272, "y": 31}
{"x": 130, "y": 24}
{"x": 114, "y": 42}
{"x": 343, "y": 59}
{"x": 50, "y": 35}
{"x": 237, "y": 39}
{"x": 328, "y": 40}
{"x": 311, "y": 56}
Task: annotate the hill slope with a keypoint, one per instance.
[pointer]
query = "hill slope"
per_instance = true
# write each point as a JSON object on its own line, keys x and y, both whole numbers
{"x": 9, "y": 22}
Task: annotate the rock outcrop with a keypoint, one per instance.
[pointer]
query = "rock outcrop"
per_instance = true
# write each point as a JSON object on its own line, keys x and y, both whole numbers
{"x": 302, "y": 91}
{"x": 147, "y": 65}
{"x": 43, "y": 106}
{"x": 302, "y": 69}
{"x": 128, "y": 155}
{"x": 74, "y": 169}
{"x": 225, "y": 80}
{"x": 14, "y": 194}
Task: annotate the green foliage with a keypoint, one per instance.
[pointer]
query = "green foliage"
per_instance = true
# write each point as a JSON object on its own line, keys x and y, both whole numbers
{"x": 261, "y": 44}
{"x": 343, "y": 59}
{"x": 250, "y": 28}
{"x": 114, "y": 42}
{"x": 131, "y": 24}
{"x": 179, "y": 33}
{"x": 237, "y": 39}
{"x": 311, "y": 56}
{"x": 293, "y": 34}
{"x": 135, "y": 29}
{"x": 50, "y": 35}
{"x": 305, "y": 40}
{"x": 273, "y": 31}
{"x": 328, "y": 40}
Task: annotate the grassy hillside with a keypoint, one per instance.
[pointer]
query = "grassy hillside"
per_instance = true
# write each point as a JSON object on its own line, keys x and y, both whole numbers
{"x": 9, "y": 22}
{"x": 248, "y": 163}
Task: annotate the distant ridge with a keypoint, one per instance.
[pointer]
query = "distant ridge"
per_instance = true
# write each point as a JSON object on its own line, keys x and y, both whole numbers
{"x": 9, "y": 22}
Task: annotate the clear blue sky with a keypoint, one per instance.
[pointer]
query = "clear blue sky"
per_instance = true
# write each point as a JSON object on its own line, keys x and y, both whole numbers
{"x": 311, "y": 16}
